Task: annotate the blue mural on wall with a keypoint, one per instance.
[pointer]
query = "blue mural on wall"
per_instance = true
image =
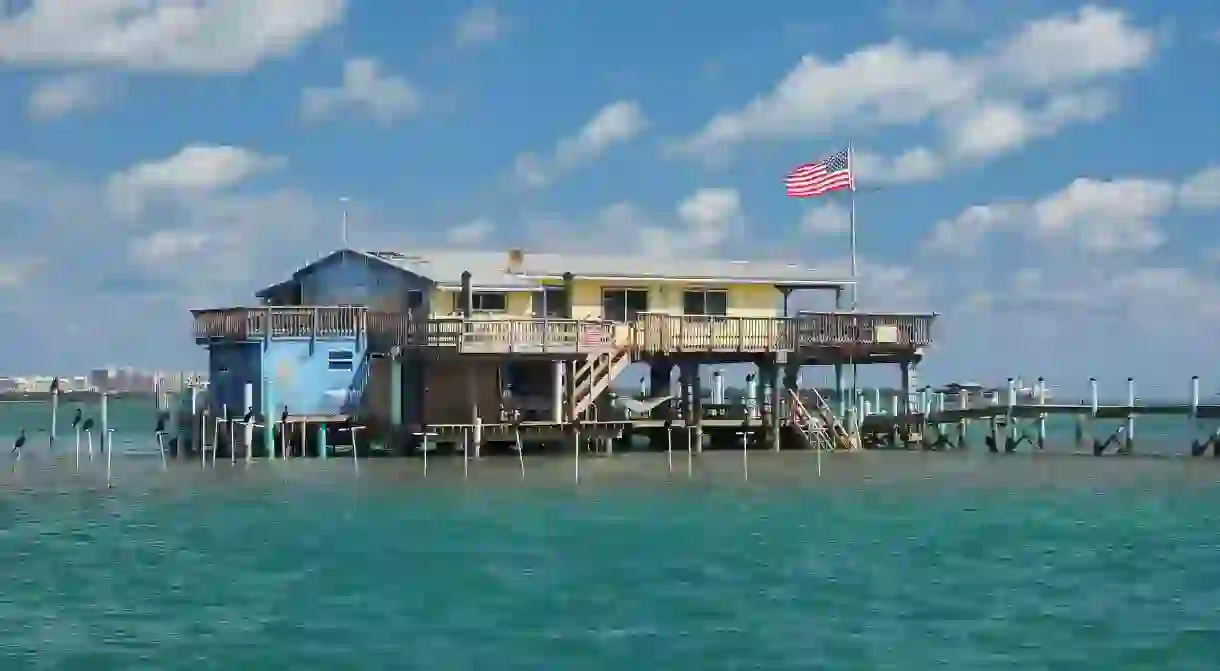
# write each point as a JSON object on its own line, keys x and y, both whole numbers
{"x": 321, "y": 377}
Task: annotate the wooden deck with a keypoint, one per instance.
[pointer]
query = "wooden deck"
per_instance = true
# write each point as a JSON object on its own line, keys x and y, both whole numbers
{"x": 650, "y": 334}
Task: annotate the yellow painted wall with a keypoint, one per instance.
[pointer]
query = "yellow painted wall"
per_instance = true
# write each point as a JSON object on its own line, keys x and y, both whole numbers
{"x": 745, "y": 300}
{"x": 520, "y": 305}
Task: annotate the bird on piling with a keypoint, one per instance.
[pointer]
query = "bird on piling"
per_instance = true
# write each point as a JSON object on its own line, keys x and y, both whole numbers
{"x": 76, "y": 418}
{"x": 160, "y": 424}
{"x": 54, "y": 385}
{"x": 248, "y": 416}
{"x": 19, "y": 443}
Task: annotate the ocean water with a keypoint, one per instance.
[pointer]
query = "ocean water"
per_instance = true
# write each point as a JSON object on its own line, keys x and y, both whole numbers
{"x": 886, "y": 560}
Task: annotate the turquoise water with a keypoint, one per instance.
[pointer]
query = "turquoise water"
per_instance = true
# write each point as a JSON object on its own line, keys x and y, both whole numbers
{"x": 902, "y": 561}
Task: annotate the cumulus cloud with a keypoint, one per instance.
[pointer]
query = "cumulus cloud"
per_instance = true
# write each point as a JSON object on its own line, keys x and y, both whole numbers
{"x": 614, "y": 124}
{"x": 196, "y": 168}
{"x": 200, "y": 37}
{"x": 57, "y": 97}
{"x": 1090, "y": 215}
{"x": 1050, "y": 74}
{"x": 366, "y": 88}
{"x": 478, "y": 25}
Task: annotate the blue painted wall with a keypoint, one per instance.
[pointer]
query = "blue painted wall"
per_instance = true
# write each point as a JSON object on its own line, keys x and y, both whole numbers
{"x": 354, "y": 279}
{"x": 323, "y": 377}
{"x": 230, "y": 367}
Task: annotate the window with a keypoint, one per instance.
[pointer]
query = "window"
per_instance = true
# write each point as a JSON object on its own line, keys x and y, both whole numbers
{"x": 555, "y": 302}
{"x": 705, "y": 302}
{"x": 623, "y": 305}
{"x": 486, "y": 301}
{"x": 340, "y": 359}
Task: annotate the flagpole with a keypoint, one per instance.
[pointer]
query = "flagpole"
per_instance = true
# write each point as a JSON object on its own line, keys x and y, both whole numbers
{"x": 855, "y": 297}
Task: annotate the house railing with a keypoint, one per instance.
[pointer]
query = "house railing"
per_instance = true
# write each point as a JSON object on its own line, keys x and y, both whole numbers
{"x": 279, "y": 322}
{"x": 672, "y": 333}
{"x": 650, "y": 332}
{"x": 814, "y": 329}
{"x": 491, "y": 336}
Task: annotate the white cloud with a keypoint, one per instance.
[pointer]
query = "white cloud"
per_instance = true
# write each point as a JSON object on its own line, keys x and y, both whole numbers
{"x": 366, "y": 87}
{"x": 710, "y": 215}
{"x": 471, "y": 233}
{"x": 614, "y": 124}
{"x": 1202, "y": 191}
{"x": 1106, "y": 216}
{"x": 15, "y": 272}
{"x": 830, "y": 218}
{"x": 1049, "y": 74}
{"x": 1096, "y": 216}
{"x": 57, "y": 97}
{"x": 200, "y": 36}
{"x": 1074, "y": 48}
{"x": 196, "y": 168}
{"x": 479, "y": 25}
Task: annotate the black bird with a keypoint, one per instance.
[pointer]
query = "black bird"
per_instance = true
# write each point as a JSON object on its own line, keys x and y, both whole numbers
{"x": 284, "y": 416}
{"x": 76, "y": 419}
{"x": 54, "y": 385}
{"x": 19, "y": 443}
{"x": 249, "y": 416}
{"x": 160, "y": 424}
{"x": 88, "y": 425}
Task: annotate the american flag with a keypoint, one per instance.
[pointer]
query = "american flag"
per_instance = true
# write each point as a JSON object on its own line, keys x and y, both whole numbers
{"x": 816, "y": 179}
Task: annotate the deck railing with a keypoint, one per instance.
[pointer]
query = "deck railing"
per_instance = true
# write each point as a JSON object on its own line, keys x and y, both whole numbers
{"x": 815, "y": 329}
{"x": 653, "y": 333}
{"x": 279, "y": 322}
{"x": 491, "y": 336}
{"x": 672, "y": 333}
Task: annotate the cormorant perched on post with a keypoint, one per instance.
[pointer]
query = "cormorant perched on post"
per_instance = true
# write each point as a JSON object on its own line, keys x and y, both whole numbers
{"x": 54, "y": 385}
{"x": 248, "y": 416}
{"x": 76, "y": 419}
{"x": 19, "y": 443}
{"x": 160, "y": 424}
{"x": 88, "y": 425}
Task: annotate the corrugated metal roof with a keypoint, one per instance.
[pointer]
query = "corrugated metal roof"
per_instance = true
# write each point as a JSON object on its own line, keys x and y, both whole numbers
{"x": 492, "y": 267}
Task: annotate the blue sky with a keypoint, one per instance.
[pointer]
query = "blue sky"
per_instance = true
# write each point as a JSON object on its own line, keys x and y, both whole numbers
{"x": 1046, "y": 178}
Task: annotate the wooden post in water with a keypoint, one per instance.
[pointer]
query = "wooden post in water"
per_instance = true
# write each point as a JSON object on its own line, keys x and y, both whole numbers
{"x": 1129, "y": 446}
{"x": 1041, "y": 415}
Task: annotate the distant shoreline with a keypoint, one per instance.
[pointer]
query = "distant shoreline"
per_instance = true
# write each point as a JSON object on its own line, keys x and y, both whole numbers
{"x": 67, "y": 396}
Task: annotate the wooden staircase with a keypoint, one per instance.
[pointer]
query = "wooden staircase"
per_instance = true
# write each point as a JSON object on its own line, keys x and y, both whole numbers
{"x": 593, "y": 376}
{"x": 820, "y": 428}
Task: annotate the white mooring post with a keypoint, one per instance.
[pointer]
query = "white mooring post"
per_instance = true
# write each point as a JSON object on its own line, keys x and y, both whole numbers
{"x": 54, "y": 434}
{"x": 669, "y": 447}
{"x": 105, "y": 412}
{"x": 247, "y": 402}
{"x": 1010, "y": 402}
{"x": 1041, "y": 414}
{"x": 521, "y": 451}
{"x": 745, "y": 455}
{"x": 576, "y": 448}
{"x": 109, "y": 438}
{"x": 161, "y": 448}
{"x": 78, "y": 448}
{"x": 1130, "y": 446}
{"x": 1091, "y": 420}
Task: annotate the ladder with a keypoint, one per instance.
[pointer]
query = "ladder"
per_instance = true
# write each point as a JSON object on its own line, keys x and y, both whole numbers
{"x": 593, "y": 376}
{"x": 820, "y": 427}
